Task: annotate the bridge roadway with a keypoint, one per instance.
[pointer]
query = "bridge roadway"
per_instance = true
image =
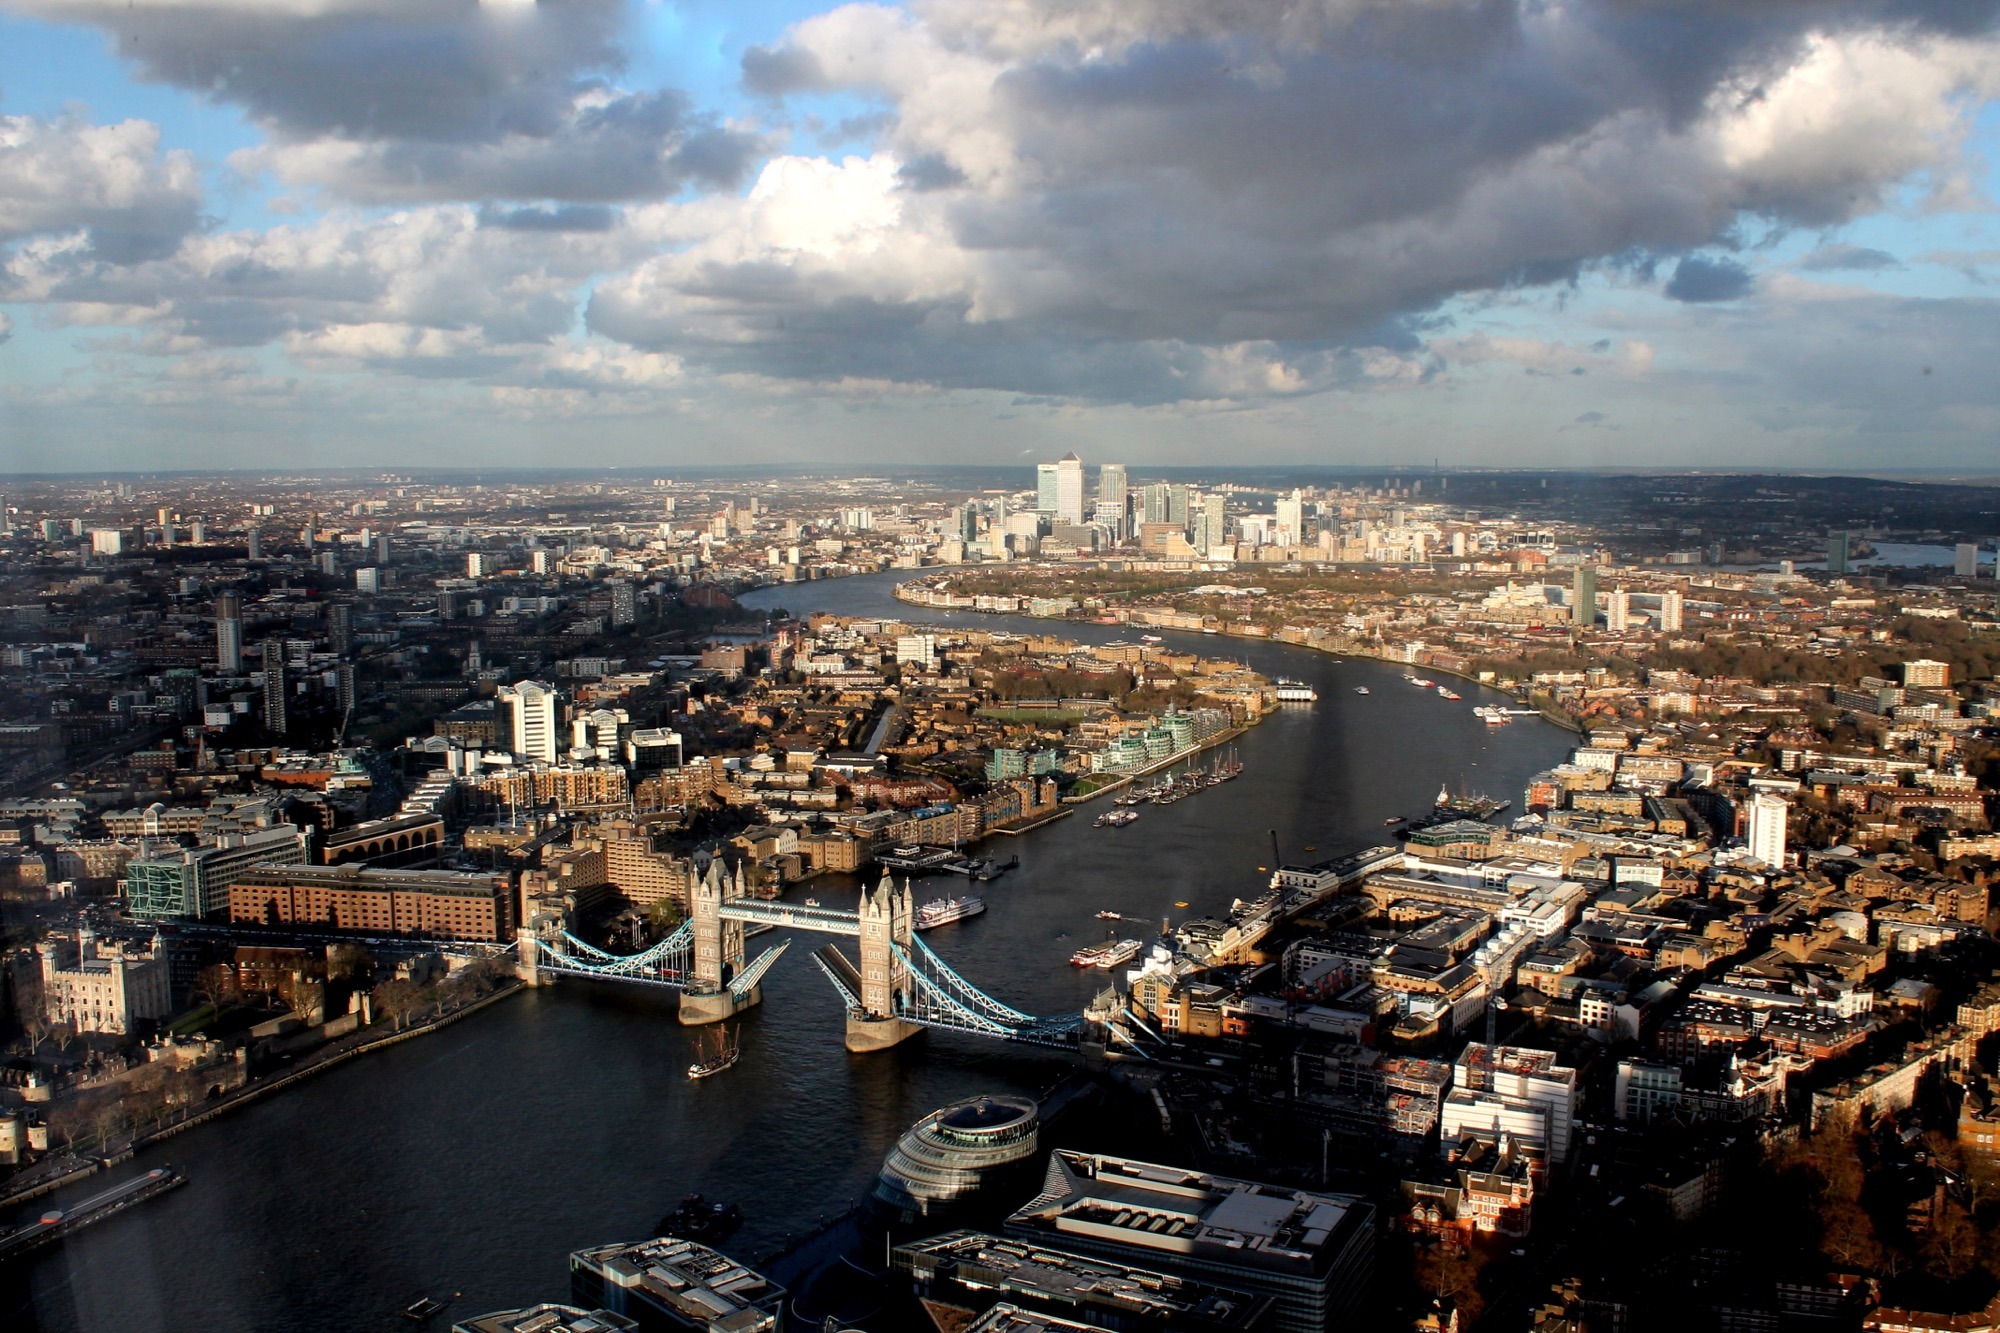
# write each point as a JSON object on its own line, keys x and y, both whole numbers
{"x": 825, "y": 920}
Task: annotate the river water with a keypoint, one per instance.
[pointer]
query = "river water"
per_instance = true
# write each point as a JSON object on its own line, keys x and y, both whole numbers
{"x": 473, "y": 1160}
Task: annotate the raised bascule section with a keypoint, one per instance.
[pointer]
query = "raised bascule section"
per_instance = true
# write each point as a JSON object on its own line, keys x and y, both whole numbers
{"x": 893, "y": 989}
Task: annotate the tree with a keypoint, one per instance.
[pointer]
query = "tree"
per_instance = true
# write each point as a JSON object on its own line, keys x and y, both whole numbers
{"x": 308, "y": 997}
{"x": 663, "y": 916}
{"x": 398, "y": 999}
{"x": 217, "y": 985}
{"x": 349, "y": 962}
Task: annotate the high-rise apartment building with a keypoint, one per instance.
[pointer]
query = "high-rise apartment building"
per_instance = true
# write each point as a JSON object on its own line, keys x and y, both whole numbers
{"x": 1965, "y": 560}
{"x": 274, "y": 687}
{"x": 340, "y": 628}
{"x": 256, "y": 545}
{"x": 1836, "y": 551}
{"x": 1768, "y": 816}
{"x": 1924, "y": 673}
{"x": 1583, "y": 597}
{"x": 1291, "y": 524}
{"x": 1670, "y": 611}
{"x": 1617, "y": 611}
{"x": 1211, "y": 527}
{"x": 531, "y": 720}
{"x": 229, "y": 633}
{"x": 1069, "y": 490}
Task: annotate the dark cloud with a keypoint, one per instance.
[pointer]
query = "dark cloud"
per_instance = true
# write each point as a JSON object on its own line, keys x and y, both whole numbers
{"x": 778, "y": 71}
{"x": 930, "y": 172}
{"x": 1697, "y": 280}
{"x": 571, "y": 217}
{"x": 1836, "y": 258}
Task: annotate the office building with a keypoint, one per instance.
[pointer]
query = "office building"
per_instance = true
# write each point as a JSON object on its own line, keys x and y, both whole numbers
{"x": 436, "y": 904}
{"x": 1836, "y": 551}
{"x": 1766, "y": 836}
{"x": 255, "y": 545}
{"x": 968, "y": 522}
{"x": 1069, "y": 490}
{"x": 969, "y": 1269}
{"x": 1311, "y": 1253}
{"x": 546, "y": 1318}
{"x": 229, "y": 633}
{"x": 670, "y": 1285}
{"x": 1583, "y": 598}
{"x": 531, "y": 720}
{"x": 95, "y": 985}
{"x": 193, "y": 884}
{"x": 1045, "y": 489}
{"x": 1515, "y": 1091}
{"x": 274, "y": 687}
{"x": 1965, "y": 560}
{"x": 942, "y": 1164}
{"x": 1112, "y": 488}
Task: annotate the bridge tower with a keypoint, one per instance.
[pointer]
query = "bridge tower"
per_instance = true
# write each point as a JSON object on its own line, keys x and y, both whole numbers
{"x": 885, "y": 917}
{"x": 718, "y": 950}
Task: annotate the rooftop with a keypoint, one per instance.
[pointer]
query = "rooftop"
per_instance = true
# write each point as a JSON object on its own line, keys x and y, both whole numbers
{"x": 1113, "y": 1200}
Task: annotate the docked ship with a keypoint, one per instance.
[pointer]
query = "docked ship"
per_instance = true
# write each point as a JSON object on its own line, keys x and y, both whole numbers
{"x": 1421, "y": 683}
{"x": 1444, "y": 693}
{"x": 714, "y": 1056}
{"x": 1115, "y": 818}
{"x": 1468, "y": 805}
{"x": 1296, "y": 692}
{"x": 1088, "y": 957}
{"x": 1116, "y": 955}
{"x": 944, "y": 911}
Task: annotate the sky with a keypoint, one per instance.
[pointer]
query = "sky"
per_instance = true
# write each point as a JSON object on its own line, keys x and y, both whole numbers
{"x": 642, "y": 233}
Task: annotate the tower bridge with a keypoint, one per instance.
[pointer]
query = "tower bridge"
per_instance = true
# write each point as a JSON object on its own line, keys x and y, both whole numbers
{"x": 893, "y": 989}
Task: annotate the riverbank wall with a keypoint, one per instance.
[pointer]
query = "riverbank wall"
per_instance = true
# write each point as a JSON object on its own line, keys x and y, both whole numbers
{"x": 253, "y": 1092}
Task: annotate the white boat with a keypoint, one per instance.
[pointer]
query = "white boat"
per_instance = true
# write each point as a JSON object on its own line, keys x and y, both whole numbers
{"x": 1150, "y": 638}
{"x": 1117, "y": 954}
{"x": 1296, "y": 692}
{"x": 1361, "y": 689}
{"x": 944, "y": 911}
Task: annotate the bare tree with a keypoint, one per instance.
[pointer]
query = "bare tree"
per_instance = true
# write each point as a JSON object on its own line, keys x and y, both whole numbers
{"x": 398, "y": 999}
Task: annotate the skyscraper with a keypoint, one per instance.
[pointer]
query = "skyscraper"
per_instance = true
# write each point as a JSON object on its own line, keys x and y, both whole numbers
{"x": 1836, "y": 551}
{"x": 256, "y": 551}
{"x": 1069, "y": 489}
{"x": 1965, "y": 560}
{"x": 1045, "y": 489}
{"x": 1111, "y": 485}
{"x": 229, "y": 632}
{"x": 531, "y": 719}
{"x": 274, "y": 687}
{"x": 968, "y": 522}
{"x": 1768, "y": 813}
{"x": 1583, "y": 597}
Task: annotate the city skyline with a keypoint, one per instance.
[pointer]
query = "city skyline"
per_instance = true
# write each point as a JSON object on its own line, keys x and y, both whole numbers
{"x": 797, "y": 234}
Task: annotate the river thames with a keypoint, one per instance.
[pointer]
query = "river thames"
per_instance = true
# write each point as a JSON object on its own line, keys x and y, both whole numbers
{"x": 474, "y": 1160}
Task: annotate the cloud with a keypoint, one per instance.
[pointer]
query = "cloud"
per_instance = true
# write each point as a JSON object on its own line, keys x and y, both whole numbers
{"x": 110, "y": 184}
{"x": 6, "y": 327}
{"x": 1839, "y": 258}
{"x": 1697, "y": 280}
{"x": 426, "y": 100}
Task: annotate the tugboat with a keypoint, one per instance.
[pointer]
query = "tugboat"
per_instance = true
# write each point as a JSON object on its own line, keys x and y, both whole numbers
{"x": 699, "y": 1220}
{"x": 716, "y": 1056}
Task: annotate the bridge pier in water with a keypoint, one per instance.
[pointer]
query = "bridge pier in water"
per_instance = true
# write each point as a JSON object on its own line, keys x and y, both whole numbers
{"x": 718, "y": 952}
{"x": 885, "y": 917}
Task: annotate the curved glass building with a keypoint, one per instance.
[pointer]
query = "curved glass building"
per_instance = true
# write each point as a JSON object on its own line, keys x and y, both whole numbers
{"x": 943, "y": 1161}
